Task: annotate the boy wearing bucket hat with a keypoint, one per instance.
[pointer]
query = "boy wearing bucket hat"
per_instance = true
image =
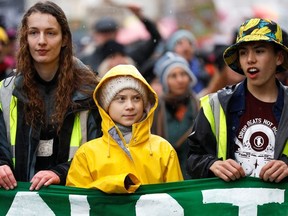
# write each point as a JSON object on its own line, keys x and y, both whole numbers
{"x": 242, "y": 130}
{"x": 127, "y": 154}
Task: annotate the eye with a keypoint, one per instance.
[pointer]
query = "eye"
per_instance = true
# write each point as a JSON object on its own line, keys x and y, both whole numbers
{"x": 119, "y": 98}
{"x": 32, "y": 32}
{"x": 172, "y": 76}
{"x": 51, "y": 33}
{"x": 137, "y": 98}
{"x": 242, "y": 52}
{"x": 260, "y": 50}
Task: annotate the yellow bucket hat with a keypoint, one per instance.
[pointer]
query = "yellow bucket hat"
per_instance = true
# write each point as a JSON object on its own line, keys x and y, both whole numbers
{"x": 256, "y": 29}
{"x": 3, "y": 35}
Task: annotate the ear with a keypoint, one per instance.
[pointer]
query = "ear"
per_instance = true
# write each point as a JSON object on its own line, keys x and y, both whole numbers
{"x": 280, "y": 57}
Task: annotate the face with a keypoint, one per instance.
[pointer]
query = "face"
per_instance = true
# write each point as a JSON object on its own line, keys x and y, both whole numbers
{"x": 44, "y": 39}
{"x": 127, "y": 107}
{"x": 259, "y": 61}
{"x": 178, "y": 81}
{"x": 184, "y": 48}
{"x": 103, "y": 37}
{"x": 117, "y": 59}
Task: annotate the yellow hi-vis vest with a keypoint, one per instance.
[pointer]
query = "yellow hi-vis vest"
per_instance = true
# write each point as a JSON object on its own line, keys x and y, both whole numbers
{"x": 8, "y": 106}
{"x": 216, "y": 117}
{"x": 217, "y": 120}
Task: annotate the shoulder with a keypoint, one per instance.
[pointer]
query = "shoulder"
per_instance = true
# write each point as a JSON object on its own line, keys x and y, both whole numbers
{"x": 8, "y": 82}
{"x": 160, "y": 143}
{"x": 89, "y": 147}
{"x": 6, "y": 88}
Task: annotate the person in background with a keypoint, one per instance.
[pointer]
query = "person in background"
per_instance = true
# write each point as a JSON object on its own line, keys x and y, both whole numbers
{"x": 127, "y": 154}
{"x": 6, "y": 68}
{"x": 178, "y": 104}
{"x": 242, "y": 130}
{"x": 223, "y": 74}
{"x": 183, "y": 43}
{"x": 107, "y": 29}
{"x": 12, "y": 47}
{"x": 113, "y": 53}
{"x": 46, "y": 109}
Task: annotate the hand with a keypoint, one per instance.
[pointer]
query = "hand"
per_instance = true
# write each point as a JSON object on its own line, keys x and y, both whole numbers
{"x": 45, "y": 177}
{"x": 7, "y": 179}
{"x": 274, "y": 170}
{"x": 135, "y": 9}
{"x": 227, "y": 170}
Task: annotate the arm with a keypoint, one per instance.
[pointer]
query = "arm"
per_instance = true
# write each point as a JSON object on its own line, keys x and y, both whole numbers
{"x": 141, "y": 51}
{"x": 202, "y": 148}
{"x": 174, "y": 172}
{"x": 121, "y": 183}
{"x": 202, "y": 160}
{"x": 58, "y": 174}
{"x": 7, "y": 179}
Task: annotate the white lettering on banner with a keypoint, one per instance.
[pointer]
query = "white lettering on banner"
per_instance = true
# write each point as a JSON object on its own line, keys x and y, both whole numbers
{"x": 161, "y": 204}
{"x": 247, "y": 199}
{"x": 29, "y": 203}
{"x": 79, "y": 205}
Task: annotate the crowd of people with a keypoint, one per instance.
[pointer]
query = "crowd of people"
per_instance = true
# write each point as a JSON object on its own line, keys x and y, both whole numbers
{"x": 119, "y": 116}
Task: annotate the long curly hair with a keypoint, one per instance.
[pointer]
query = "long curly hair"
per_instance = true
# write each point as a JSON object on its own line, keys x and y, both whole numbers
{"x": 70, "y": 79}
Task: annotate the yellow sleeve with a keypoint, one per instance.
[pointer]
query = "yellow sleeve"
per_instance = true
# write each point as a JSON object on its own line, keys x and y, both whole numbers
{"x": 80, "y": 176}
{"x": 173, "y": 172}
{"x": 116, "y": 183}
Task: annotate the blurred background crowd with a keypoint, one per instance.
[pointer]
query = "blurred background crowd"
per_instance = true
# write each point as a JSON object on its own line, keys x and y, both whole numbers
{"x": 211, "y": 22}
{"x": 172, "y": 42}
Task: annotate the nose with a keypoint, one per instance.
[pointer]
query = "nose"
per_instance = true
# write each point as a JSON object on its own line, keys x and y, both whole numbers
{"x": 129, "y": 104}
{"x": 251, "y": 57}
{"x": 42, "y": 39}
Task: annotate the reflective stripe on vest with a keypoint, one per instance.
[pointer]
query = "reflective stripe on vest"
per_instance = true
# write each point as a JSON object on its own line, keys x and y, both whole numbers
{"x": 8, "y": 105}
{"x": 79, "y": 132}
{"x": 217, "y": 120}
{"x": 285, "y": 150}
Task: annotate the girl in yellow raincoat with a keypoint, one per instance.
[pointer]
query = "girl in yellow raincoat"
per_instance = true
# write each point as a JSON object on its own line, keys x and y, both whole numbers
{"x": 127, "y": 154}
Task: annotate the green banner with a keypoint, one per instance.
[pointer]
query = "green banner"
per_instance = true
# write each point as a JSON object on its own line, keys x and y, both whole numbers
{"x": 246, "y": 197}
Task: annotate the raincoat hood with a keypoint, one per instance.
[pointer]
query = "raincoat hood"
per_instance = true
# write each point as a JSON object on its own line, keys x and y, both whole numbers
{"x": 140, "y": 130}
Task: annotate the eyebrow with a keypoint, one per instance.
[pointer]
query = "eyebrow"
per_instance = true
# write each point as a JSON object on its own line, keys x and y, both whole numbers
{"x": 36, "y": 28}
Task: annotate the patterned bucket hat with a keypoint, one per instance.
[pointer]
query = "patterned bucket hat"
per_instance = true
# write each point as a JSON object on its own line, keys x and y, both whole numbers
{"x": 256, "y": 29}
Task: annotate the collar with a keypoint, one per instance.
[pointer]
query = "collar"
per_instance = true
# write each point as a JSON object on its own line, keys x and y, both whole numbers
{"x": 238, "y": 102}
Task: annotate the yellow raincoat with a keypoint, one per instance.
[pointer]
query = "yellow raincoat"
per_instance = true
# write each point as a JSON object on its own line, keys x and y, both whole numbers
{"x": 104, "y": 163}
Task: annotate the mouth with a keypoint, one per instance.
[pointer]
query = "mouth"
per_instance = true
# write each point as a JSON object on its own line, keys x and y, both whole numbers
{"x": 129, "y": 116}
{"x": 42, "y": 52}
{"x": 252, "y": 71}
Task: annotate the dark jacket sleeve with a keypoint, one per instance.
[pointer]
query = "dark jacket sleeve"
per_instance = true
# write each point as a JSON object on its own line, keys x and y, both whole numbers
{"x": 202, "y": 148}
{"x": 5, "y": 147}
{"x": 142, "y": 50}
{"x": 94, "y": 129}
{"x": 62, "y": 170}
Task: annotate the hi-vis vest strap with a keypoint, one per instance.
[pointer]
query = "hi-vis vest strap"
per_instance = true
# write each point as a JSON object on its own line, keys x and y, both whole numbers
{"x": 8, "y": 105}
{"x": 79, "y": 132}
{"x": 9, "y": 109}
{"x": 217, "y": 120}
